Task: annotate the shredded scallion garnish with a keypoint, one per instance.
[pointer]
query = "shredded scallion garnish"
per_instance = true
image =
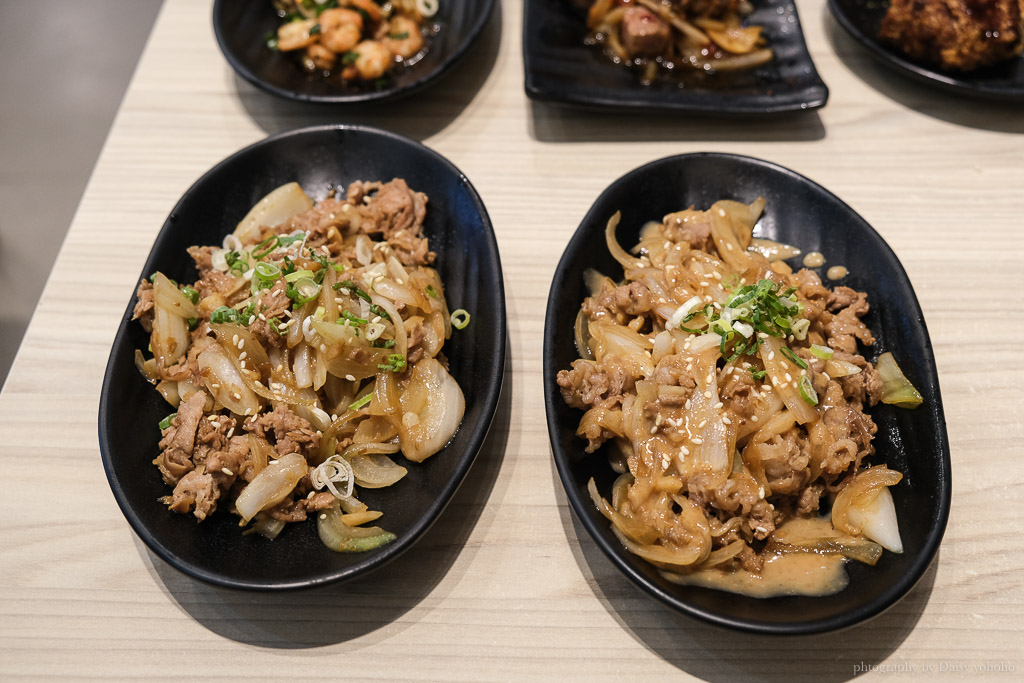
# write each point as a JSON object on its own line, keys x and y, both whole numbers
{"x": 807, "y": 392}
{"x": 166, "y": 422}
{"x": 460, "y": 318}
{"x": 356, "y": 405}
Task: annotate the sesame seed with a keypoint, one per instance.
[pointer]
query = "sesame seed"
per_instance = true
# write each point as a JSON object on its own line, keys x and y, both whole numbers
{"x": 684, "y": 450}
{"x": 789, "y": 377}
{"x": 716, "y": 275}
{"x": 376, "y": 319}
{"x": 226, "y": 471}
{"x": 279, "y": 368}
{"x": 232, "y": 430}
{"x": 234, "y": 339}
{"x": 242, "y": 355}
{"x": 717, "y": 405}
{"x": 704, "y": 283}
{"x": 240, "y": 344}
{"x": 350, "y": 378}
{"x": 708, "y": 394}
{"x": 242, "y": 365}
{"x": 334, "y": 418}
{"x": 702, "y": 423}
{"x": 687, "y": 405}
{"x": 762, "y": 335}
{"x": 323, "y": 515}
{"x": 654, "y": 430}
{"x": 262, "y": 317}
{"x": 237, "y": 396}
{"x": 215, "y": 386}
{"x": 697, "y": 440}
{"x": 754, "y": 418}
{"x": 323, "y": 348}
{"x": 257, "y": 383}
{"x": 771, "y": 356}
{"x": 726, "y": 421}
{"x": 728, "y": 245}
{"x": 310, "y": 494}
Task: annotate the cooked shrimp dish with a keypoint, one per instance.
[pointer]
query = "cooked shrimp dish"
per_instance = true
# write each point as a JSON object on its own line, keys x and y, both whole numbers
{"x": 356, "y": 40}
{"x": 660, "y": 36}
{"x": 729, "y": 394}
{"x": 307, "y": 353}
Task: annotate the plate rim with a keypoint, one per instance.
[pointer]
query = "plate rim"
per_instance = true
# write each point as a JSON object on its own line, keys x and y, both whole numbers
{"x": 919, "y": 72}
{"x": 383, "y": 95}
{"x": 373, "y": 559}
{"x": 578, "y": 503}
{"x": 623, "y": 102}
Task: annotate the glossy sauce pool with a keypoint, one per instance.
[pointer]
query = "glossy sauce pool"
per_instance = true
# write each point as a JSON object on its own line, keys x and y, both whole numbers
{"x": 789, "y": 574}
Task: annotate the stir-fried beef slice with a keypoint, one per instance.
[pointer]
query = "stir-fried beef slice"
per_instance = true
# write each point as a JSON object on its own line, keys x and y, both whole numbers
{"x": 595, "y": 433}
{"x": 178, "y": 441}
{"x": 786, "y": 459}
{"x": 187, "y": 369}
{"x": 675, "y": 382}
{"x": 203, "y": 257}
{"x": 143, "y": 311}
{"x": 643, "y": 33}
{"x": 291, "y": 433}
{"x": 851, "y": 431}
{"x": 393, "y": 209}
{"x": 738, "y": 494}
{"x": 619, "y": 303}
{"x": 864, "y": 387}
{"x": 212, "y": 436}
{"x": 415, "y": 334}
{"x": 199, "y": 490}
{"x": 739, "y": 391}
{"x": 955, "y": 34}
{"x": 410, "y": 248}
{"x": 324, "y": 225}
{"x": 692, "y": 228}
{"x": 589, "y": 383}
{"x": 290, "y": 510}
{"x": 274, "y": 304}
{"x": 810, "y": 499}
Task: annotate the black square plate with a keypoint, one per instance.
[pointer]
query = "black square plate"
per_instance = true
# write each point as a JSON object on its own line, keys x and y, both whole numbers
{"x": 863, "y": 18}
{"x": 561, "y": 69}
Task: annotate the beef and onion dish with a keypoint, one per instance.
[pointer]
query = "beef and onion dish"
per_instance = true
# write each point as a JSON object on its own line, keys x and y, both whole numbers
{"x": 357, "y": 41}
{"x": 958, "y": 35}
{"x": 660, "y": 36}
{"x": 308, "y": 352}
{"x": 730, "y": 393}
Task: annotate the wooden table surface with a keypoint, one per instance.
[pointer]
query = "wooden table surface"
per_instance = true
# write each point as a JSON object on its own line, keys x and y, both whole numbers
{"x": 507, "y": 585}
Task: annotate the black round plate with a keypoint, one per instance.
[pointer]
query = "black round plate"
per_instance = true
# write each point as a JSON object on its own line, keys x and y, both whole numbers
{"x": 241, "y": 27}
{"x": 804, "y": 214}
{"x": 862, "y": 19}
{"x": 467, "y": 258}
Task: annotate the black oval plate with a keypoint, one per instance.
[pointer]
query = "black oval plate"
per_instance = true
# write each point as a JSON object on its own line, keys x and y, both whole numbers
{"x": 804, "y": 214}
{"x": 562, "y": 70}
{"x": 241, "y": 27}
{"x": 467, "y": 258}
{"x": 862, "y": 19}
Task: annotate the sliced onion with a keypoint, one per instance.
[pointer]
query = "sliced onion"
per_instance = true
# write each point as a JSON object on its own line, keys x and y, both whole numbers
{"x": 274, "y": 209}
{"x": 840, "y": 368}
{"x": 860, "y": 492}
{"x": 774, "y": 251}
{"x": 896, "y": 388}
{"x": 618, "y": 253}
{"x": 436, "y": 399}
{"x": 267, "y": 525}
{"x": 170, "y": 337}
{"x": 271, "y": 486}
{"x": 342, "y": 538}
{"x": 627, "y": 525}
{"x": 167, "y": 295}
{"x": 225, "y": 383}
{"x": 147, "y": 368}
{"x": 169, "y": 390}
{"x": 375, "y": 470}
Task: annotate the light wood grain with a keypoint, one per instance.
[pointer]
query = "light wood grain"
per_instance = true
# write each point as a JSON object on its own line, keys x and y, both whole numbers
{"x": 507, "y": 586}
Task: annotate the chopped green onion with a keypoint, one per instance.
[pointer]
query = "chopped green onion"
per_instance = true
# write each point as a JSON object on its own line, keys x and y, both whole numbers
{"x": 190, "y": 293}
{"x": 270, "y": 38}
{"x": 276, "y": 328}
{"x": 338, "y": 267}
{"x": 460, "y": 318}
{"x": 314, "y": 30}
{"x": 224, "y": 314}
{"x": 384, "y": 343}
{"x": 356, "y": 405}
{"x": 166, "y": 422}
{"x": 399, "y": 36}
{"x": 272, "y": 241}
{"x": 396, "y": 363}
{"x": 823, "y": 352}
{"x": 756, "y": 374}
{"x": 192, "y": 323}
{"x": 302, "y": 292}
{"x": 807, "y": 391}
{"x": 297, "y": 275}
{"x": 349, "y": 58}
{"x": 353, "y": 318}
{"x": 788, "y": 353}
{"x": 352, "y": 287}
{"x": 431, "y": 292}
{"x": 248, "y": 315}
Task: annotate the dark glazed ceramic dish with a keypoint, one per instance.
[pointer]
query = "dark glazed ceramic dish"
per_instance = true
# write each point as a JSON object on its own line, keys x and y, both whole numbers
{"x": 467, "y": 258}
{"x": 241, "y": 27}
{"x": 804, "y": 214}
{"x": 862, "y": 19}
{"x": 561, "y": 69}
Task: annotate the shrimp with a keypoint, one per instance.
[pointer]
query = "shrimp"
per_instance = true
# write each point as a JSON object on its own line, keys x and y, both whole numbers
{"x": 373, "y": 61}
{"x": 340, "y": 29}
{"x": 319, "y": 57}
{"x": 295, "y": 35}
{"x": 372, "y": 9}
{"x": 403, "y": 37}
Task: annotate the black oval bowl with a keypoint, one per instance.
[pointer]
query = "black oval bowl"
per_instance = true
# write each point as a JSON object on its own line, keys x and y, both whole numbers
{"x": 804, "y": 214}
{"x": 241, "y": 27}
{"x": 467, "y": 258}
{"x": 862, "y": 20}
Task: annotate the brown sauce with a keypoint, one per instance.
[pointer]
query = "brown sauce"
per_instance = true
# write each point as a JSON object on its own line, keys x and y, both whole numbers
{"x": 790, "y": 574}
{"x": 837, "y": 273}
